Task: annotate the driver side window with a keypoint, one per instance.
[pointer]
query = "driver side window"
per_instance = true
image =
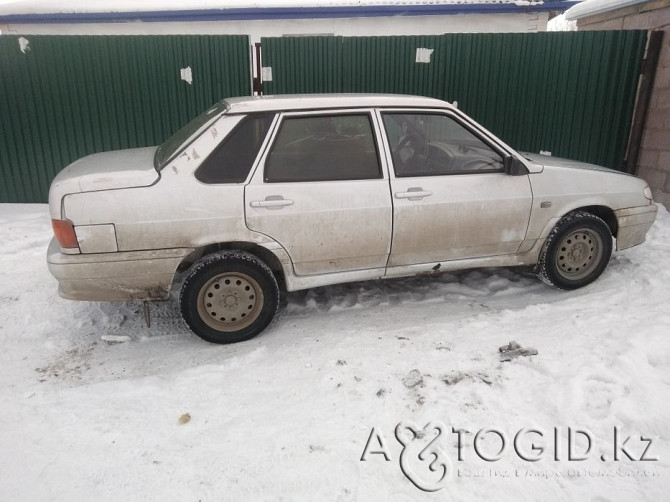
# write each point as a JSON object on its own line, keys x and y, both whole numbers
{"x": 433, "y": 144}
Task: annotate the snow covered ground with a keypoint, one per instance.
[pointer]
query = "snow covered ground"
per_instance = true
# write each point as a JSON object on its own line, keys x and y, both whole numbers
{"x": 287, "y": 415}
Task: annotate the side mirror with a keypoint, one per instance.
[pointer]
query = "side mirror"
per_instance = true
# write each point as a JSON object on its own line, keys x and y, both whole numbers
{"x": 514, "y": 167}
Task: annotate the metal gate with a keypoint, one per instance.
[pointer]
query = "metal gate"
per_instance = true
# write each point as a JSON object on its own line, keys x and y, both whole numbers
{"x": 568, "y": 93}
{"x": 63, "y": 97}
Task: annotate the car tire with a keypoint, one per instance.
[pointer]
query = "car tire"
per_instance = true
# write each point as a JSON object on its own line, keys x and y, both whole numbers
{"x": 576, "y": 251}
{"x": 228, "y": 297}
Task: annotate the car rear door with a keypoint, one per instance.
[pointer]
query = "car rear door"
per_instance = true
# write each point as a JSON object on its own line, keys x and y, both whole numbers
{"x": 451, "y": 197}
{"x": 321, "y": 190}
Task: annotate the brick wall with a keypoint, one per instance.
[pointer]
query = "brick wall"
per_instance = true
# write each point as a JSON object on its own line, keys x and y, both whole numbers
{"x": 654, "y": 161}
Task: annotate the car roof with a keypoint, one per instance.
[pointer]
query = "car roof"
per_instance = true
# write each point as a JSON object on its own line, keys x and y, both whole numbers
{"x": 250, "y": 104}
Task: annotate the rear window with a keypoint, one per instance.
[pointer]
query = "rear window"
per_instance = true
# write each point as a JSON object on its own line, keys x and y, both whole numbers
{"x": 232, "y": 160}
{"x": 183, "y": 137}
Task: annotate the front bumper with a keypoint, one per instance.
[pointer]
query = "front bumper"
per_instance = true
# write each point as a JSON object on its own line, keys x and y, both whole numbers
{"x": 122, "y": 276}
{"x": 633, "y": 225}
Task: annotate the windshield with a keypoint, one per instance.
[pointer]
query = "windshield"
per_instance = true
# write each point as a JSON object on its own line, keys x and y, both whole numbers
{"x": 179, "y": 140}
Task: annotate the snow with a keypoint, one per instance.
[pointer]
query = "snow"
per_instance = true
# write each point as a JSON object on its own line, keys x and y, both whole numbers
{"x": 593, "y": 7}
{"x": 559, "y": 23}
{"x": 286, "y": 416}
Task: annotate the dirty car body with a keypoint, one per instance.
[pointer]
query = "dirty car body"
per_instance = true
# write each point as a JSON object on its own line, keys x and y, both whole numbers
{"x": 257, "y": 195}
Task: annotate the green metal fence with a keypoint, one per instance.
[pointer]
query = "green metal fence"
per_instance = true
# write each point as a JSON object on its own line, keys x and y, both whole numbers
{"x": 568, "y": 93}
{"x": 63, "y": 97}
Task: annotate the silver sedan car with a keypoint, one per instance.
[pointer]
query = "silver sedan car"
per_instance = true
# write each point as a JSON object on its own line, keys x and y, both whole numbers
{"x": 263, "y": 194}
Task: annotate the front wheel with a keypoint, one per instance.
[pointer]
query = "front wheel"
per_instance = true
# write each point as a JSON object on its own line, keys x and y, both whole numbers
{"x": 228, "y": 297}
{"x": 576, "y": 252}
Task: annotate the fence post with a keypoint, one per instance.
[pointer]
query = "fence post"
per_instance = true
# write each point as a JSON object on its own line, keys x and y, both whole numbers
{"x": 648, "y": 72}
{"x": 258, "y": 81}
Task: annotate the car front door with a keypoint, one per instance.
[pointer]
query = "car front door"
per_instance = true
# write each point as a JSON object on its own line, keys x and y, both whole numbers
{"x": 321, "y": 192}
{"x": 451, "y": 196}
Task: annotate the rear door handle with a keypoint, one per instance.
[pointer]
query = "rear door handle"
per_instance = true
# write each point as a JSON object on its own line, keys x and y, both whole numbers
{"x": 414, "y": 193}
{"x": 272, "y": 202}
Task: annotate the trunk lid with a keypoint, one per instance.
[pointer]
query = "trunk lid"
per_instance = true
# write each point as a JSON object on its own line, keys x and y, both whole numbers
{"x": 104, "y": 171}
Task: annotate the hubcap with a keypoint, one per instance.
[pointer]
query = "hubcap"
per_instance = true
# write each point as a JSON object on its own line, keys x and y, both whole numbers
{"x": 230, "y": 301}
{"x": 579, "y": 254}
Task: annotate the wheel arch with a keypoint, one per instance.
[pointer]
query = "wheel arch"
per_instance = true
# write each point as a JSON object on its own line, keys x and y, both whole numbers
{"x": 261, "y": 252}
{"x": 604, "y": 213}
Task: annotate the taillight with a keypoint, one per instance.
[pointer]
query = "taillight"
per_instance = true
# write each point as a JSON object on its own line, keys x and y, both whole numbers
{"x": 64, "y": 232}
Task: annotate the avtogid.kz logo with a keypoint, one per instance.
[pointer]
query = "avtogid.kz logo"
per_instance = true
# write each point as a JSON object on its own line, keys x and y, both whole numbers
{"x": 425, "y": 463}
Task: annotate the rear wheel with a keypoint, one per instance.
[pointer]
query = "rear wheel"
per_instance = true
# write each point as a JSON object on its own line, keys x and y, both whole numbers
{"x": 228, "y": 297}
{"x": 576, "y": 252}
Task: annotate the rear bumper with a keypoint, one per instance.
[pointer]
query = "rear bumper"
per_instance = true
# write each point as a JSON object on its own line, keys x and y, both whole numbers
{"x": 122, "y": 276}
{"x": 634, "y": 223}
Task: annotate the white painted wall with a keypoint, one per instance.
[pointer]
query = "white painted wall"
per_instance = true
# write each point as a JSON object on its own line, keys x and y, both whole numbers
{"x": 373, "y": 26}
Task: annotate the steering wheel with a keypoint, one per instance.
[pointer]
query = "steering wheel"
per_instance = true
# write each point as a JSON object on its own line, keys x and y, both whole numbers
{"x": 410, "y": 141}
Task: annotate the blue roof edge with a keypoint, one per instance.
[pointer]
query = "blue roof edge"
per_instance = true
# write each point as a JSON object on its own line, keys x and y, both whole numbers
{"x": 251, "y": 14}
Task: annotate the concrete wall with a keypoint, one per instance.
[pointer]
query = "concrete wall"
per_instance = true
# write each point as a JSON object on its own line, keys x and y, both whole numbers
{"x": 654, "y": 162}
{"x": 371, "y": 26}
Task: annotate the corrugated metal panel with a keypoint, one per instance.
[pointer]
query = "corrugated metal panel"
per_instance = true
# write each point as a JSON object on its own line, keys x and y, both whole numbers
{"x": 69, "y": 96}
{"x": 568, "y": 93}
{"x": 303, "y": 64}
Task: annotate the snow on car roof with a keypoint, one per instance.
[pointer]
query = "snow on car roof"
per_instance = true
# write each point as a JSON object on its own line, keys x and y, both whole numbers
{"x": 319, "y": 101}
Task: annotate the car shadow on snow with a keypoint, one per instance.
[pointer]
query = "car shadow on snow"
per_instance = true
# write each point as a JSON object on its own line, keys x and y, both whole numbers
{"x": 463, "y": 285}
{"x": 500, "y": 288}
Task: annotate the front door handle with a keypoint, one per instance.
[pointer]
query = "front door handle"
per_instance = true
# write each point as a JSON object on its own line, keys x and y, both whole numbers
{"x": 414, "y": 193}
{"x": 272, "y": 202}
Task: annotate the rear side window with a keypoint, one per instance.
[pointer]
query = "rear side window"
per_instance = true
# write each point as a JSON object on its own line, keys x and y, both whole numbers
{"x": 232, "y": 160}
{"x": 324, "y": 148}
